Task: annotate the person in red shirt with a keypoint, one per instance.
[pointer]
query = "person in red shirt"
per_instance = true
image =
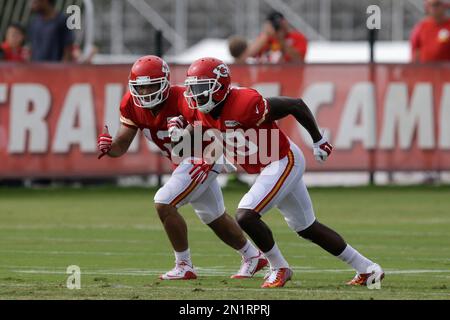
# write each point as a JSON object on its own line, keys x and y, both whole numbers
{"x": 152, "y": 105}
{"x": 430, "y": 38}
{"x": 244, "y": 125}
{"x": 278, "y": 42}
{"x": 12, "y": 48}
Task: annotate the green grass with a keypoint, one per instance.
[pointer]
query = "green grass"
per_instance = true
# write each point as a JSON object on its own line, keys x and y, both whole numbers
{"x": 115, "y": 237}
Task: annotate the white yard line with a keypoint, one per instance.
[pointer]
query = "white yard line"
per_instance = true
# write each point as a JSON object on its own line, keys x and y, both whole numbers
{"x": 115, "y": 253}
{"x": 212, "y": 271}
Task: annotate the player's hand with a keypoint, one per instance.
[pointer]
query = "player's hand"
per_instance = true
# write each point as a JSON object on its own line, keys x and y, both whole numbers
{"x": 200, "y": 170}
{"x": 322, "y": 150}
{"x": 175, "y": 127}
{"x": 104, "y": 142}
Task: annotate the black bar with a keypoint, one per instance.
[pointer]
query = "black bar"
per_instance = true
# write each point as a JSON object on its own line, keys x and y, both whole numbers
{"x": 233, "y": 310}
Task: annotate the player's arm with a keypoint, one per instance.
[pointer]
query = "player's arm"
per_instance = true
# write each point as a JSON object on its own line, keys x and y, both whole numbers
{"x": 281, "y": 107}
{"x": 179, "y": 132}
{"x": 119, "y": 145}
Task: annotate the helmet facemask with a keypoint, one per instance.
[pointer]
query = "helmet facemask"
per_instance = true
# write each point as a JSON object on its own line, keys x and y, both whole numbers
{"x": 152, "y": 99}
{"x": 199, "y": 93}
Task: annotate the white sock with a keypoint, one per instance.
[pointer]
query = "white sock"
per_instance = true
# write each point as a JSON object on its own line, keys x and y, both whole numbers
{"x": 275, "y": 258}
{"x": 355, "y": 259}
{"x": 248, "y": 251}
{"x": 183, "y": 256}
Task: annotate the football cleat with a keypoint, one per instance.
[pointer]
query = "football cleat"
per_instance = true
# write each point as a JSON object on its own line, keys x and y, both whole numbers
{"x": 360, "y": 279}
{"x": 278, "y": 278}
{"x": 251, "y": 266}
{"x": 182, "y": 271}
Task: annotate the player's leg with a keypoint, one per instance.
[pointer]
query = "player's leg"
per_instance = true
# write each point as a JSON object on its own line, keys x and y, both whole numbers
{"x": 209, "y": 206}
{"x": 174, "y": 225}
{"x": 274, "y": 182}
{"x": 298, "y": 212}
{"x": 175, "y": 193}
{"x": 226, "y": 228}
{"x": 251, "y": 222}
{"x": 176, "y": 230}
{"x": 333, "y": 243}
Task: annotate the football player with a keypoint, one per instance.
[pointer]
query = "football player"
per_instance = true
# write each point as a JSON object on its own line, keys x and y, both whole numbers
{"x": 151, "y": 105}
{"x": 241, "y": 111}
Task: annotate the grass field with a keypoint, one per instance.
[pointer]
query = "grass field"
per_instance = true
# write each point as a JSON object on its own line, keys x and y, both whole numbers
{"x": 116, "y": 239}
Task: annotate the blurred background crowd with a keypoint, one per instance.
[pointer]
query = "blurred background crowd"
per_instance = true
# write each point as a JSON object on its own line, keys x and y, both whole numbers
{"x": 235, "y": 31}
{"x": 254, "y": 31}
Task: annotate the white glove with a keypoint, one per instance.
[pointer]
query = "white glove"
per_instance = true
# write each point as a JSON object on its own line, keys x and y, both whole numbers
{"x": 175, "y": 127}
{"x": 322, "y": 149}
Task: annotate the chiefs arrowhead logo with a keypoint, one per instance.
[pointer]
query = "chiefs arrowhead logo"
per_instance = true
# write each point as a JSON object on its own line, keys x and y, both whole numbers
{"x": 222, "y": 70}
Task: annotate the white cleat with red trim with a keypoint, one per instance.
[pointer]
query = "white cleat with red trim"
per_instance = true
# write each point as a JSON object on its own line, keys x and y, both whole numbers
{"x": 182, "y": 271}
{"x": 251, "y": 266}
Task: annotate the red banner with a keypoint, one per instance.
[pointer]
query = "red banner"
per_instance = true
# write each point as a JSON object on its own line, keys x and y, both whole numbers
{"x": 383, "y": 117}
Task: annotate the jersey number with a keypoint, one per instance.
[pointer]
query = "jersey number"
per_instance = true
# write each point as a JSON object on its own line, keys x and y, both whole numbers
{"x": 161, "y": 135}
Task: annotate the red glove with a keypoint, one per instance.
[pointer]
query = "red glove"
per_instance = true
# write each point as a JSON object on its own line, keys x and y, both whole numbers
{"x": 200, "y": 170}
{"x": 104, "y": 142}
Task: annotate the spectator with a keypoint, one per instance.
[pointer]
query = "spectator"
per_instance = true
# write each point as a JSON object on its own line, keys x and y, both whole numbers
{"x": 278, "y": 42}
{"x": 430, "y": 38}
{"x": 12, "y": 48}
{"x": 238, "y": 47}
{"x": 50, "y": 38}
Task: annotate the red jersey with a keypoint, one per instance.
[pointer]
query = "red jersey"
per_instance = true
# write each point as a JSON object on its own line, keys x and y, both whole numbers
{"x": 271, "y": 52}
{"x": 249, "y": 140}
{"x": 154, "y": 128}
{"x": 431, "y": 40}
{"x": 12, "y": 55}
